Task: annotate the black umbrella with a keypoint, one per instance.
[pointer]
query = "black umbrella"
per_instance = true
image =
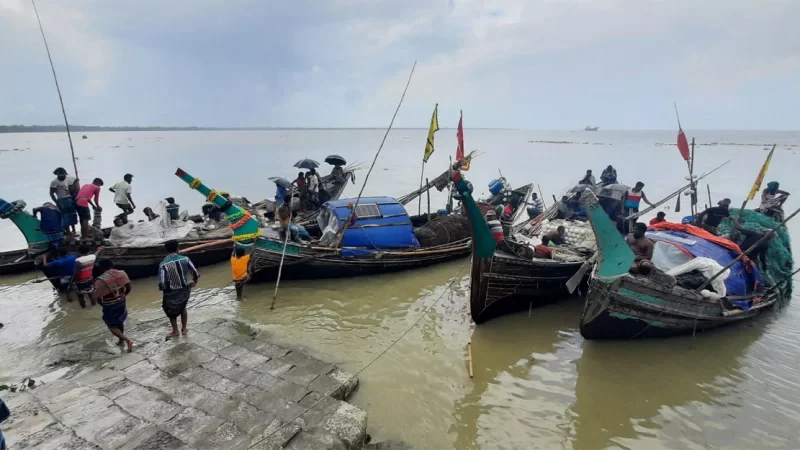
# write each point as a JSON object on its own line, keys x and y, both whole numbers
{"x": 306, "y": 164}
{"x": 335, "y": 160}
{"x": 281, "y": 182}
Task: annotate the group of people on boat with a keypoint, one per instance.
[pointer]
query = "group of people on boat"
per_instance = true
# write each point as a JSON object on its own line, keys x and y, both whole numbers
{"x": 756, "y": 241}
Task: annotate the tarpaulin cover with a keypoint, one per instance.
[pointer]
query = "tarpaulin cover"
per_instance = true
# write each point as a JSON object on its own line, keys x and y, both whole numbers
{"x": 743, "y": 275}
{"x": 392, "y": 230}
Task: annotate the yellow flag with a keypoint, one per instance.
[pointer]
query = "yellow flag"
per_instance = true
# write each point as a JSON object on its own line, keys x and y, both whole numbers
{"x": 760, "y": 177}
{"x": 434, "y": 129}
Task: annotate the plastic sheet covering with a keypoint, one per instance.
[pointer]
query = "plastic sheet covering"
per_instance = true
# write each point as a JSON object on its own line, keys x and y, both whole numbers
{"x": 708, "y": 267}
{"x": 667, "y": 256}
{"x": 329, "y": 225}
{"x": 145, "y": 234}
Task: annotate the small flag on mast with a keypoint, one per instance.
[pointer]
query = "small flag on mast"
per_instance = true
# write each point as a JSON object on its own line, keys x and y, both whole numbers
{"x": 460, "y": 148}
{"x": 683, "y": 144}
{"x": 434, "y": 128}
{"x": 760, "y": 177}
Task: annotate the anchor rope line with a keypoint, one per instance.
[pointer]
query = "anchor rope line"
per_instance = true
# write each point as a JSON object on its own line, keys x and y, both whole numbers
{"x": 372, "y": 361}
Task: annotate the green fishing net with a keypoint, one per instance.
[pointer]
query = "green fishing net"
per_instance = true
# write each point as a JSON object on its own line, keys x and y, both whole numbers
{"x": 780, "y": 263}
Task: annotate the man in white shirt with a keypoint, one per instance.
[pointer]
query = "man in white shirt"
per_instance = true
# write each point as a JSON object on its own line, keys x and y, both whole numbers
{"x": 122, "y": 197}
{"x": 63, "y": 190}
{"x": 313, "y": 187}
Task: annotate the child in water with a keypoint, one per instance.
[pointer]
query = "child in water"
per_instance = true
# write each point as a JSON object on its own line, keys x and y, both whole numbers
{"x": 240, "y": 267}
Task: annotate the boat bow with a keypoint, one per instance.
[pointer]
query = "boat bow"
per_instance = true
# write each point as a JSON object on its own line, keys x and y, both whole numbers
{"x": 244, "y": 225}
{"x": 615, "y": 257}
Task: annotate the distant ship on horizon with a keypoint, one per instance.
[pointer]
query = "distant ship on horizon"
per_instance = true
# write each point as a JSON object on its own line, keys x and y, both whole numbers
{"x": 588, "y": 128}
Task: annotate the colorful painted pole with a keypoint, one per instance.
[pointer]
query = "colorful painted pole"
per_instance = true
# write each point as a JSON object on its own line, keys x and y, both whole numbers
{"x": 29, "y": 225}
{"x": 244, "y": 225}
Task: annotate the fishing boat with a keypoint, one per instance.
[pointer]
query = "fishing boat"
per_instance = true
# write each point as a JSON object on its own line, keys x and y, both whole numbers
{"x": 511, "y": 278}
{"x": 588, "y": 128}
{"x": 331, "y": 188}
{"x": 15, "y": 261}
{"x": 381, "y": 239}
{"x": 378, "y": 237}
{"x": 620, "y": 305}
{"x": 137, "y": 262}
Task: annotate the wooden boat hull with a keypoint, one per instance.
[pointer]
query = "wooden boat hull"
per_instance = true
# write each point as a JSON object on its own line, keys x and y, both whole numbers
{"x": 15, "y": 262}
{"x": 636, "y": 307}
{"x": 143, "y": 262}
{"x": 302, "y": 263}
{"x": 507, "y": 283}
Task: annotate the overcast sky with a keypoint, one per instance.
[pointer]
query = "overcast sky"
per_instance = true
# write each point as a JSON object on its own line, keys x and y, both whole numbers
{"x": 531, "y": 64}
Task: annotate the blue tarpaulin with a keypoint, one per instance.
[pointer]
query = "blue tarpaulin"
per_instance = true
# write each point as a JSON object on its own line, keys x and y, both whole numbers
{"x": 742, "y": 279}
{"x": 393, "y": 229}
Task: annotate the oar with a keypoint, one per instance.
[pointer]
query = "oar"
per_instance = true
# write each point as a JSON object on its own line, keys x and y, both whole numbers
{"x": 207, "y": 244}
{"x": 575, "y": 280}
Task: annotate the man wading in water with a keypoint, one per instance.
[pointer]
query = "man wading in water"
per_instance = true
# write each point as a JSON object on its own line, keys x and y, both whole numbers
{"x": 172, "y": 280}
{"x": 111, "y": 289}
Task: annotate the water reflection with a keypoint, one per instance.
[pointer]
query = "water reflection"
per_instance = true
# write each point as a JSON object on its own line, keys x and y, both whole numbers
{"x": 670, "y": 392}
{"x": 522, "y": 381}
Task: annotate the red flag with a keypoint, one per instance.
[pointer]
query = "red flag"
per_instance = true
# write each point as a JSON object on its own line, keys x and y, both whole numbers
{"x": 460, "y": 136}
{"x": 683, "y": 144}
{"x": 460, "y": 148}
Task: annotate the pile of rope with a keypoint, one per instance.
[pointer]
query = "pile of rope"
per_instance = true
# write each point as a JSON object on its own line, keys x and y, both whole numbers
{"x": 779, "y": 255}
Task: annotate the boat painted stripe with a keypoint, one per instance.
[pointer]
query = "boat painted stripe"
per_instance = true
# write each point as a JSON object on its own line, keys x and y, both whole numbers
{"x": 643, "y": 297}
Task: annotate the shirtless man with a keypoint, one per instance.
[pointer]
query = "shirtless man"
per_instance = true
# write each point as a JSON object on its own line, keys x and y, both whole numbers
{"x": 557, "y": 236}
{"x": 642, "y": 250}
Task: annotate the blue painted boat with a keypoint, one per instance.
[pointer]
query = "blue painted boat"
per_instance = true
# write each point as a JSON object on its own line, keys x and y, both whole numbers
{"x": 380, "y": 239}
{"x": 620, "y": 305}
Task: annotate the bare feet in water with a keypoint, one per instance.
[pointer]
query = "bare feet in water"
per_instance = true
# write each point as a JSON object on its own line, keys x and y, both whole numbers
{"x": 185, "y": 331}
{"x": 174, "y": 334}
{"x": 130, "y": 345}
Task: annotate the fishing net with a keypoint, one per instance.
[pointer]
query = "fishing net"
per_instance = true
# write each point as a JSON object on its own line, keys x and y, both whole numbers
{"x": 779, "y": 255}
{"x": 443, "y": 230}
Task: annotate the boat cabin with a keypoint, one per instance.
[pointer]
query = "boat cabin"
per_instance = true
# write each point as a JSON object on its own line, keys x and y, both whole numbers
{"x": 378, "y": 223}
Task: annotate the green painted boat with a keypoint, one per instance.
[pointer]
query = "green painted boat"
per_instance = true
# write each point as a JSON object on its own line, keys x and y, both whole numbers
{"x": 623, "y": 306}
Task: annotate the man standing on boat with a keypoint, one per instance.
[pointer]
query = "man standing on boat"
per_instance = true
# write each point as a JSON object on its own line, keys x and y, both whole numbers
{"x": 173, "y": 273}
{"x": 122, "y": 197}
{"x": 88, "y": 195}
{"x": 642, "y": 248}
{"x": 710, "y": 219}
{"x": 63, "y": 190}
{"x": 750, "y": 238}
{"x": 634, "y": 197}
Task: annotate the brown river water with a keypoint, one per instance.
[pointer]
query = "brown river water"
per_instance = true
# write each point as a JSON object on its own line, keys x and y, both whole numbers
{"x": 537, "y": 383}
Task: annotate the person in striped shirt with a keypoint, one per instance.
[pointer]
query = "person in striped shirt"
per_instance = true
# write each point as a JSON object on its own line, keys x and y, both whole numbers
{"x": 174, "y": 275}
{"x": 536, "y": 206}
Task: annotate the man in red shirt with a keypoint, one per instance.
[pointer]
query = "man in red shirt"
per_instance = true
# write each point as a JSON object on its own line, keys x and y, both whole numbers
{"x": 542, "y": 250}
{"x": 660, "y": 217}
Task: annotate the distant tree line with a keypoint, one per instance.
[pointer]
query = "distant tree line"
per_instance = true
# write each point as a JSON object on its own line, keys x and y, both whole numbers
{"x": 84, "y": 128}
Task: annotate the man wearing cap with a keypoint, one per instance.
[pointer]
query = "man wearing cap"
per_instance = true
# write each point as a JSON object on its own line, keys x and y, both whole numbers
{"x": 659, "y": 218}
{"x": 63, "y": 190}
{"x": 709, "y": 219}
{"x": 122, "y": 197}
